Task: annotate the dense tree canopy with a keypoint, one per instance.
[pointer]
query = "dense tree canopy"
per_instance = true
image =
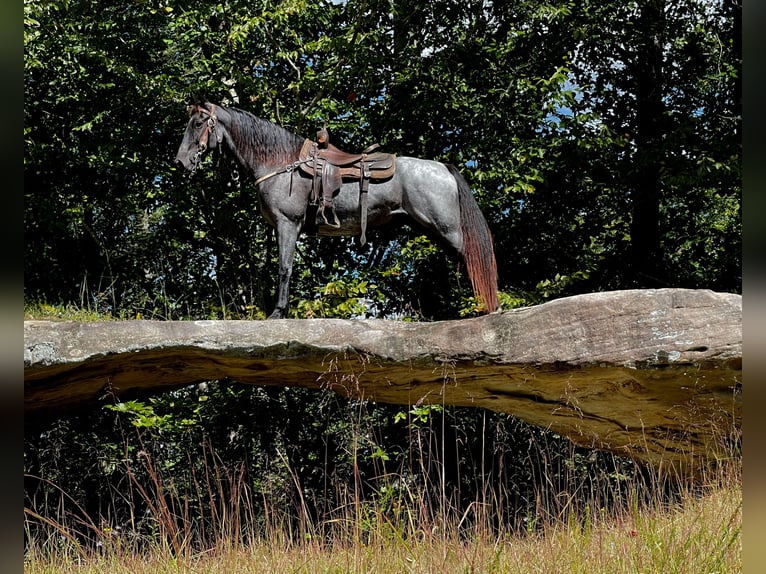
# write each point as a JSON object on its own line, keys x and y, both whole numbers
{"x": 601, "y": 139}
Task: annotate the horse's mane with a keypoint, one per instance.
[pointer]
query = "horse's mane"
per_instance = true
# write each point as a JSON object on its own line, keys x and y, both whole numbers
{"x": 260, "y": 142}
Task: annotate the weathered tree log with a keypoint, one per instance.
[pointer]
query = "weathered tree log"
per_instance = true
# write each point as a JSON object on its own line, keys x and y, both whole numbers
{"x": 651, "y": 374}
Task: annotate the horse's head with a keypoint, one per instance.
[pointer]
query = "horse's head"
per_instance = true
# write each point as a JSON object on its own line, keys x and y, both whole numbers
{"x": 202, "y": 133}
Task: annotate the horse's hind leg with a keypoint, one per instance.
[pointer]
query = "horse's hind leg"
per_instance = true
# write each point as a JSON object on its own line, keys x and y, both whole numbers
{"x": 438, "y": 197}
{"x": 287, "y": 236}
{"x": 431, "y": 199}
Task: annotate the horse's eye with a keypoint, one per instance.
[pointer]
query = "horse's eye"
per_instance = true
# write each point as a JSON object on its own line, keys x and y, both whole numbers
{"x": 198, "y": 124}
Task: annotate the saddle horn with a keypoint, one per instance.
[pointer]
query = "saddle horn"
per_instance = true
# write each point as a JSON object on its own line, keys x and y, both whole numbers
{"x": 323, "y": 136}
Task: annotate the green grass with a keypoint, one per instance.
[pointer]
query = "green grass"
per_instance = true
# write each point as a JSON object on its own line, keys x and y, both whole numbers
{"x": 47, "y": 312}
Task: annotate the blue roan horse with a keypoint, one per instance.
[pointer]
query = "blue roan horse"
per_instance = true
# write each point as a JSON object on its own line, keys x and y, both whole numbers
{"x": 433, "y": 194}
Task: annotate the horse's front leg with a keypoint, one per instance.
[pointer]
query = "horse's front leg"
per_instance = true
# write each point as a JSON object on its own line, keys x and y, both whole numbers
{"x": 287, "y": 236}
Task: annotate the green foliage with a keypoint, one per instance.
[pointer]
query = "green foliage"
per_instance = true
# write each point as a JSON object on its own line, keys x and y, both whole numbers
{"x": 600, "y": 163}
{"x": 222, "y": 449}
{"x": 143, "y": 416}
{"x": 537, "y": 104}
{"x": 340, "y": 298}
{"x": 418, "y": 415}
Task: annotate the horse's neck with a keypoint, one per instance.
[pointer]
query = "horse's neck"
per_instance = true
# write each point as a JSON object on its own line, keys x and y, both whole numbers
{"x": 261, "y": 145}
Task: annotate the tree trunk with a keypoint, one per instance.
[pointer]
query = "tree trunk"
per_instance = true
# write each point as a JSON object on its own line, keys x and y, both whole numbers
{"x": 646, "y": 268}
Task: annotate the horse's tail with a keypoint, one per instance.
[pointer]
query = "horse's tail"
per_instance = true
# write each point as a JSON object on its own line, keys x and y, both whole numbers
{"x": 478, "y": 252}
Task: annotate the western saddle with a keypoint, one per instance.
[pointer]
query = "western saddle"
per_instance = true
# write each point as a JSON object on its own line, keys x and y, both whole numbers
{"x": 329, "y": 166}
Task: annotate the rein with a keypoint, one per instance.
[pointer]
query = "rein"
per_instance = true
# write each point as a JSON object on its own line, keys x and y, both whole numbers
{"x": 290, "y": 167}
{"x": 211, "y": 127}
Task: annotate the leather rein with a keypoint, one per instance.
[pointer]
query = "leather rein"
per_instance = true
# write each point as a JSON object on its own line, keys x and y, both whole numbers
{"x": 211, "y": 127}
{"x": 290, "y": 167}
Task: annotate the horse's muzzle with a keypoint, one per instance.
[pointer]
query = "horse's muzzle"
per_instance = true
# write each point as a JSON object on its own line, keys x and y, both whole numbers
{"x": 187, "y": 165}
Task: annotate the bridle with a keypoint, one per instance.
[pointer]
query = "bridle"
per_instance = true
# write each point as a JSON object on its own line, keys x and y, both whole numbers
{"x": 211, "y": 125}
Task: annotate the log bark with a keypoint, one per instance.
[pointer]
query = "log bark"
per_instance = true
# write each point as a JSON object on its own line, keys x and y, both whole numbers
{"x": 651, "y": 374}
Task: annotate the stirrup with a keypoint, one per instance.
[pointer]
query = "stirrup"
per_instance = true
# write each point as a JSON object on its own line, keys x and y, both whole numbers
{"x": 335, "y": 224}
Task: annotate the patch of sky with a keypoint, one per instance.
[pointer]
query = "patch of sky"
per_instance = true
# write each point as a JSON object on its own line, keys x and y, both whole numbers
{"x": 561, "y": 104}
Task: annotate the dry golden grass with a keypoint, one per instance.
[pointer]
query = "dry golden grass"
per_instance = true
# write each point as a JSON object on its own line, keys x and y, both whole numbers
{"x": 701, "y": 533}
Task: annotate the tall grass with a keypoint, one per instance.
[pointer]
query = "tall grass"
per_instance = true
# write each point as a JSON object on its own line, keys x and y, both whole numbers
{"x": 699, "y": 534}
{"x": 216, "y": 517}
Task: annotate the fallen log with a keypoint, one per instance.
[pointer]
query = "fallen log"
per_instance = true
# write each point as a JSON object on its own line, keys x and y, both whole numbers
{"x": 651, "y": 374}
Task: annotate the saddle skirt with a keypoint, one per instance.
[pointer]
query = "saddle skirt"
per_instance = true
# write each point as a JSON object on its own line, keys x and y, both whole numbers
{"x": 329, "y": 166}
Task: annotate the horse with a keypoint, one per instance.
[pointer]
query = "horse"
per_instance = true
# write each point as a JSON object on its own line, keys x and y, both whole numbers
{"x": 432, "y": 194}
